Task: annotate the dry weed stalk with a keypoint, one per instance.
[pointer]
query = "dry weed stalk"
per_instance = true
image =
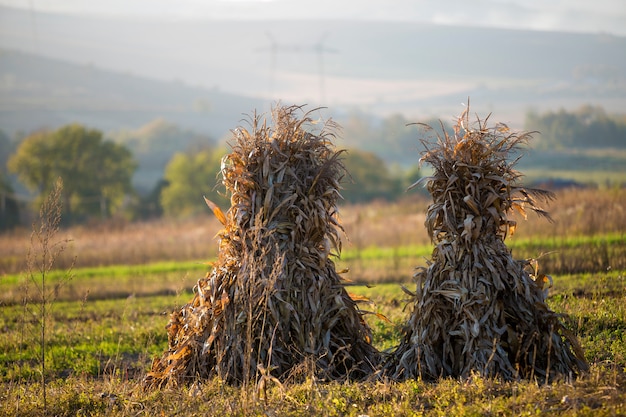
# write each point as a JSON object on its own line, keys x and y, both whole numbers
{"x": 273, "y": 299}
{"x": 475, "y": 308}
{"x": 43, "y": 252}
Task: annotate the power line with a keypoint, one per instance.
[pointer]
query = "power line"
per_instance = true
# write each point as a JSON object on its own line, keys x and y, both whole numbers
{"x": 318, "y": 48}
{"x": 33, "y": 26}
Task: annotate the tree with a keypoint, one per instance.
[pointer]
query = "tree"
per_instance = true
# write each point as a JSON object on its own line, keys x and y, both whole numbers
{"x": 150, "y": 205}
{"x": 394, "y": 139}
{"x": 586, "y": 127}
{"x": 9, "y": 208}
{"x": 369, "y": 178}
{"x": 6, "y": 149}
{"x": 153, "y": 145}
{"x": 96, "y": 173}
{"x": 190, "y": 176}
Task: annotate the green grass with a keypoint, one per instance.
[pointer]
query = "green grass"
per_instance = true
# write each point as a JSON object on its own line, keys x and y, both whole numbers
{"x": 132, "y": 327}
{"x": 111, "y": 281}
{"x": 377, "y": 252}
{"x": 516, "y": 244}
{"x": 99, "y": 350}
{"x": 477, "y": 397}
{"x": 86, "y": 337}
{"x": 368, "y": 265}
{"x": 115, "y": 271}
{"x": 569, "y": 242}
{"x": 108, "y": 323}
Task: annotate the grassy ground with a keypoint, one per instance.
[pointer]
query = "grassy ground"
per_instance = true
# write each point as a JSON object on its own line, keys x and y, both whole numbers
{"x": 98, "y": 351}
{"x": 576, "y": 213}
{"x": 106, "y": 323}
{"x": 369, "y": 265}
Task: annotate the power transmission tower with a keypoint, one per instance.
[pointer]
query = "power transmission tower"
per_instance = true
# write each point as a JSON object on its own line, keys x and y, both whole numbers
{"x": 318, "y": 48}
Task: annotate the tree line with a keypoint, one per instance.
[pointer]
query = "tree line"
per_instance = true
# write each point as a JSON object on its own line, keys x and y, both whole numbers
{"x": 586, "y": 127}
{"x": 100, "y": 175}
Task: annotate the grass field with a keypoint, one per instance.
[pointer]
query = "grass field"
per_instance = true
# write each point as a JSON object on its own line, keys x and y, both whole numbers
{"x": 99, "y": 350}
{"x": 106, "y": 322}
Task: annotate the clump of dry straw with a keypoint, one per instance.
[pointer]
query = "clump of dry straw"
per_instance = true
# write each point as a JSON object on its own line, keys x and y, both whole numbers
{"x": 476, "y": 309}
{"x": 273, "y": 303}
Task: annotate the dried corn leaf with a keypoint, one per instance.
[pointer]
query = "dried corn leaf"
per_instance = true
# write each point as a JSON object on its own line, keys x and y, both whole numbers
{"x": 273, "y": 301}
{"x": 475, "y": 308}
{"x": 216, "y": 210}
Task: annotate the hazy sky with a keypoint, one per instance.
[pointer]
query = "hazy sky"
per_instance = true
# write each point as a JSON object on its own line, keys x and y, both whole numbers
{"x": 608, "y": 16}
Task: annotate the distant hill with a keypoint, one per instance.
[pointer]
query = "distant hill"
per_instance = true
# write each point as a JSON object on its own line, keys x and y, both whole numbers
{"x": 198, "y": 79}
{"x": 380, "y": 67}
{"x": 38, "y": 92}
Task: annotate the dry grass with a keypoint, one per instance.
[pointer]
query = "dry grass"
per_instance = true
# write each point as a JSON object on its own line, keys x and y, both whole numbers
{"x": 576, "y": 212}
{"x": 600, "y": 393}
{"x": 121, "y": 243}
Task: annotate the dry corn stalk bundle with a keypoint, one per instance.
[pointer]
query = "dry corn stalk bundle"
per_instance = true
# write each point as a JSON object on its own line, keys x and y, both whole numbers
{"x": 273, "y": 303}
{"x": 475, "y": 308}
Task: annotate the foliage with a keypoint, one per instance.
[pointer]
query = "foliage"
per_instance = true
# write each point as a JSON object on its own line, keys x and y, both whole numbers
{"x": 392, "y": 139}
{"x": 368, "y": 178}
{"x": 6, "y": 149}
{"x": 188, "y": 177}
{"x": 587, "y": 127}
{"x": 9, "y": 208}
{"x": 153, "y": 145}
{"x": 149, "y": 206}
{"x": 96, "y": 173}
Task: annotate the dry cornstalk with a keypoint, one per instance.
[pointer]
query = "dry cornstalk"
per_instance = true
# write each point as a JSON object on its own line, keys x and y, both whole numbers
{"x": 475, "y": 308}
{"x": 273, "y": 301}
